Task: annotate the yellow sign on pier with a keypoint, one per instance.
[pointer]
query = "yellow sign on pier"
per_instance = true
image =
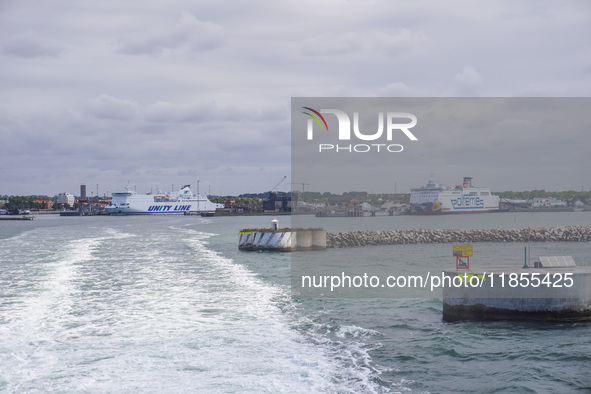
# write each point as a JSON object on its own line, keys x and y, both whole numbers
{"x": 462, "y": 250}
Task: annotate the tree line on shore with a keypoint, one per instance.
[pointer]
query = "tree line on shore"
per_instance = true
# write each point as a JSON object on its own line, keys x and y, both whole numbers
{"x": 25, "y": 202}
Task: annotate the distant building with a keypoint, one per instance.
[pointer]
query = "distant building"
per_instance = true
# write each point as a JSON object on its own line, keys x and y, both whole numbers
{"x": 302, "y": 205}
{"x": 64, "y": 198}
{"x": 274, "y": 203}
{"x": 548, "y": 203}
{"x": 48, "y": 203}
{"x": 393, "y": 206}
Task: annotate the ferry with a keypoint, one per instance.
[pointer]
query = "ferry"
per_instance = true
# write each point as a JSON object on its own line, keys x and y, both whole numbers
{"x": 129, "y": 202}
{"x": 435, "y": 198}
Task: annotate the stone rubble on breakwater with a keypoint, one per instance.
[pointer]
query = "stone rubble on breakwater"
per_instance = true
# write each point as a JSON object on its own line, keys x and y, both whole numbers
{"x": 428, "y": 236}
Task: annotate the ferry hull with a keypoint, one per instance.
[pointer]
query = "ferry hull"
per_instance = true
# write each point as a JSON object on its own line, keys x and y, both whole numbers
{"x": 437, "y": 199}
{"x": 135, "y": 211}
{"x": 415, "y": 212}
{"x": 442, "y": 209}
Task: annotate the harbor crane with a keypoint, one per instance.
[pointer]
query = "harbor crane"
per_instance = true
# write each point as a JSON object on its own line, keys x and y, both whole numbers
{"x": 278, "y": 183}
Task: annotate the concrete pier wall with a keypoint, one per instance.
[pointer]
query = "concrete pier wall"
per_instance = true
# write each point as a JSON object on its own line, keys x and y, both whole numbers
{"x": 303, "y": 240}
{"x": 282, "y": 240}
{"x": 319, "y": 239}
{"x": 510, "y": 293}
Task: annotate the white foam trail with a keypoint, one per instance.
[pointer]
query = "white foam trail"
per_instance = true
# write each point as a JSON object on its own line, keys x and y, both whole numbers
{"x": 159, "y": 311}
{"x": 327, "y": 366}
{"x": 265, "y": 353}
{"x": 355, "y": 332}
{"x": 37, "y": 318}
{"x": 347, "y": 349}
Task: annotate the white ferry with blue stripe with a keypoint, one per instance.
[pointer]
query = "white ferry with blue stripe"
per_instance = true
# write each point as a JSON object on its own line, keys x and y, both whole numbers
{"x": 131, "y": 203}
{"x": 435, "y": 198}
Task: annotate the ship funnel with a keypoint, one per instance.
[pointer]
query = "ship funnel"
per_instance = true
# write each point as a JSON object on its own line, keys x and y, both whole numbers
{"x": 467, "y": 181}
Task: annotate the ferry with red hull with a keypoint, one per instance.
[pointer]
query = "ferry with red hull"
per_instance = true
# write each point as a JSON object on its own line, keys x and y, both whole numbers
{"x": 436, "y": 199}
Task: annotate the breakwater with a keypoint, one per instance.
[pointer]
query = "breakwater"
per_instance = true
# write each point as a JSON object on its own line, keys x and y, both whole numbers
{"x": 428, "y": 236}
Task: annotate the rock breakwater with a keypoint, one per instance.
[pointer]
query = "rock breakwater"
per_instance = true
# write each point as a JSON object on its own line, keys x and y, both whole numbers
{"x": 428, "y": 236}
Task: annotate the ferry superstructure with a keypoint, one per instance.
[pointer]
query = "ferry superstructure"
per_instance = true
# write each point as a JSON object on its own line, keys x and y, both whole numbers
{"x": 435, "y": 198}
{"x": 129, "y": 202}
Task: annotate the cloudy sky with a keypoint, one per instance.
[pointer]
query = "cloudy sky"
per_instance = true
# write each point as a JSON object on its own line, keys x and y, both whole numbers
{"x": 170, "y": 92}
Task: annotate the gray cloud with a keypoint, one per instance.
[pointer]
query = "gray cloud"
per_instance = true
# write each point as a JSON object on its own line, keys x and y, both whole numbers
{"x": 187, "y": 35}
{"x": 468, "y": 82}
{"x": 31, "y": 45}
{"x": 396, "y": 89}
{"x": 357, "y": 42}
{"x": 189, "y": 112}
{"x": 108, "y": 107}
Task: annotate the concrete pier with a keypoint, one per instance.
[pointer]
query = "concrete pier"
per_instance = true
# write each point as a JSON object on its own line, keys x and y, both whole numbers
{"x": 262, "y": 239}
{"x": 517, "y": 293}
{"x": 281, "y": 240}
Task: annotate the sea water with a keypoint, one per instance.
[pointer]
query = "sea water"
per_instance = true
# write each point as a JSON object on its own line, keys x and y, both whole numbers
{"x": 168, "y": 304}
